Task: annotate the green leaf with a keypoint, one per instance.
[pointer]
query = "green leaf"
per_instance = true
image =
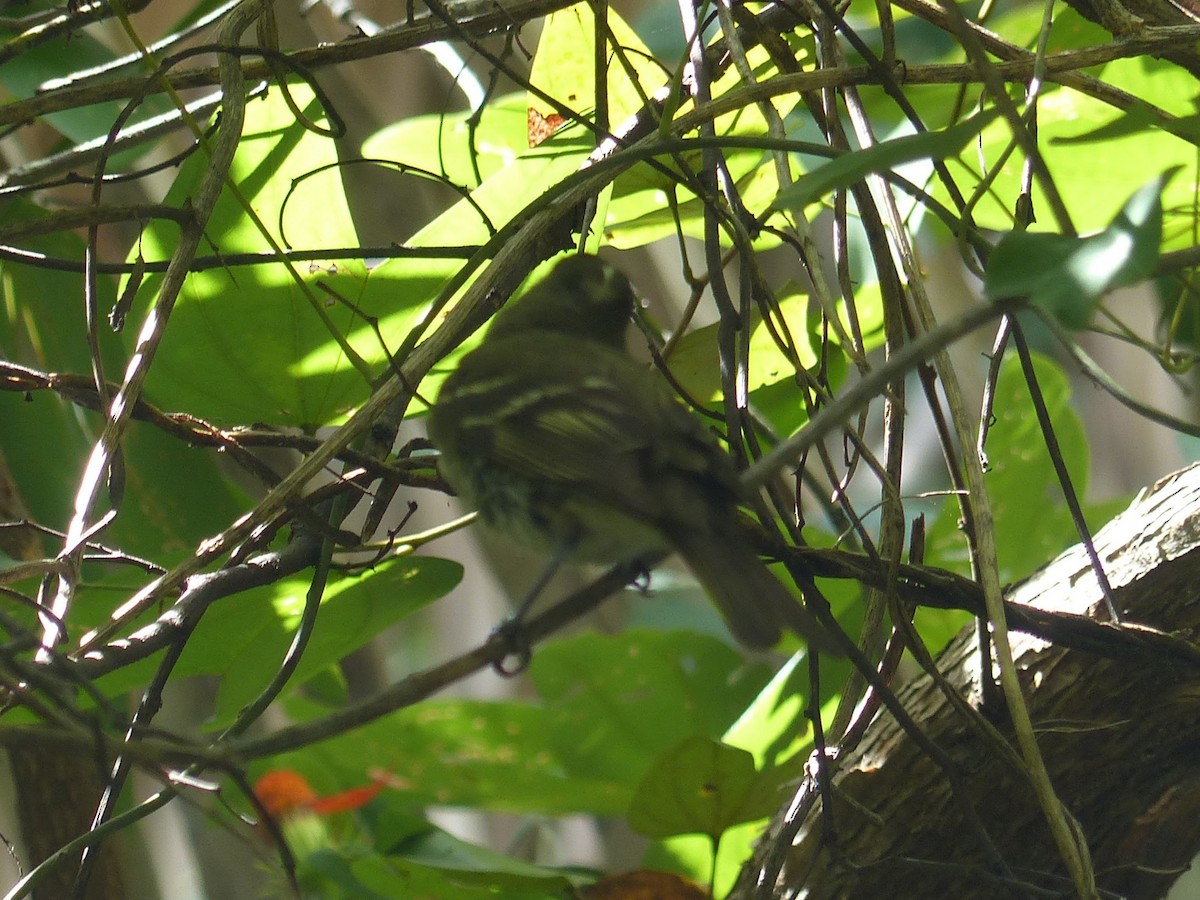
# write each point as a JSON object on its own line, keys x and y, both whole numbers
{"x": 435, "y": 848}
{"x": 696, "y": 365}
{"x": 564, "y": 65}
{"x": 244, "y": 640}
{"x": 1137, "y": 119}
{"x": 433, "y": 864}
{"x": 1067, "y": 276}
{"x": 774, "y": 728}
{"x": 1094, "y": 178}
{"x": 608, "y": 705}
{"x": 445, "y": 143}
{"x": 466, "y": 753}
{"x": 528, "y": 176}
{"x": 247, "y": 344}
{"x": 162, "y": 516}
{"x": 27, "y": 73}
{"x": 330, "y": 873}
{"x": 618, "y": 701}
{"x": 395, "y": 877}
{"x": 692, "y": 855}
{"x": 640, "y": 213}
{"x": 852, "y": 167}
{"x": 699, "y": 786}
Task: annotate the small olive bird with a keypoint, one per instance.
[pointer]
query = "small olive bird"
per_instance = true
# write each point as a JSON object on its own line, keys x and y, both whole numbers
{"x": 561, "y": 439}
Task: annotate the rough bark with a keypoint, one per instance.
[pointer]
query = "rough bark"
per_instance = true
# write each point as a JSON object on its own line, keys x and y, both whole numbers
{"x": 1119, "y": 737}
{"x": 58, "y": 790}
{"x": 1132, "y": 18}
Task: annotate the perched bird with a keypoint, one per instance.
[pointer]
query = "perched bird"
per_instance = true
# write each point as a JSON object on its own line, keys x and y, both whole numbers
{"x": 562, "y": 440}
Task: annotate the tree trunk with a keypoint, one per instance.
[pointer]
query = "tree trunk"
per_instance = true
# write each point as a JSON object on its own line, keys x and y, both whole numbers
{"x": 1119, "y": 736}
{"x": 57, "y": 787}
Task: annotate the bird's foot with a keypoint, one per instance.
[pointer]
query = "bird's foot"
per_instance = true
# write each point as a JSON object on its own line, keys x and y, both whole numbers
{"x": 518, "y": 652}
{"x": 641, "y": 579}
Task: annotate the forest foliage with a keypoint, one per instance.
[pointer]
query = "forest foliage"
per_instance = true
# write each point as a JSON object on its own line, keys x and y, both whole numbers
{"x": 213, "y": 390}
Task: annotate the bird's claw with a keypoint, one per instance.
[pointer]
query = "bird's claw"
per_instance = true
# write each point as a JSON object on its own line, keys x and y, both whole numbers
{"x": 641, "y": 580}
{"x": 511, "y": 634}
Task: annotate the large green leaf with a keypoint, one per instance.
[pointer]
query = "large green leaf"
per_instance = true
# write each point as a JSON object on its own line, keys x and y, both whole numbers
{"x": 432, "y": 864}
{"x": 399, "y": 877}
{"x": 244, "y": 639}
{"x": 609, "y": 705}
{"x": 514, "y": 177}
{"x": 447, "y": 145}
{"x": 175, "y": 494}
{"x": 617, "y": 702}
{"x": 565, "y": 68}
{"x": 472, "y": 864}
{"x": 695, "y": 361}
{"x": 700, "y": 786}
{"x": 464, "y": 753}
{"x": 514, "y": 174}
{"x": 247, "y": 344}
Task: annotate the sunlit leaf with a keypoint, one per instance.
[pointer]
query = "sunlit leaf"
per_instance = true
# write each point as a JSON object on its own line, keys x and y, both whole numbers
{"x": 248, "y": 343}
{"x": 1067, "y": 276}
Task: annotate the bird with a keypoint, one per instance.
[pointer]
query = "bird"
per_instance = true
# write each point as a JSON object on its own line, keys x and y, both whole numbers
{"x": 562, "y": 440}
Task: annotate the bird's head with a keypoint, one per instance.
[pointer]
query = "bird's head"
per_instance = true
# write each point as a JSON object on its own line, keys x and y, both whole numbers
{"x": 583, "y": 296}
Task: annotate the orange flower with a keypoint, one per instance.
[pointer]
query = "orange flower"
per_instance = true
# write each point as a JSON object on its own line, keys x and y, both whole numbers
{"x": 284, "y": 792}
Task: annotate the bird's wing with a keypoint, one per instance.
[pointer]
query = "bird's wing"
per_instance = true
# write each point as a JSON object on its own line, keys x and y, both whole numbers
{"x": 591, "y": 418}
{"x": 582, "y": 426}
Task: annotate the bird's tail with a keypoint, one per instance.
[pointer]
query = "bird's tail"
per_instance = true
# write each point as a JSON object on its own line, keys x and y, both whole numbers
{"x": 754, "y": 604}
